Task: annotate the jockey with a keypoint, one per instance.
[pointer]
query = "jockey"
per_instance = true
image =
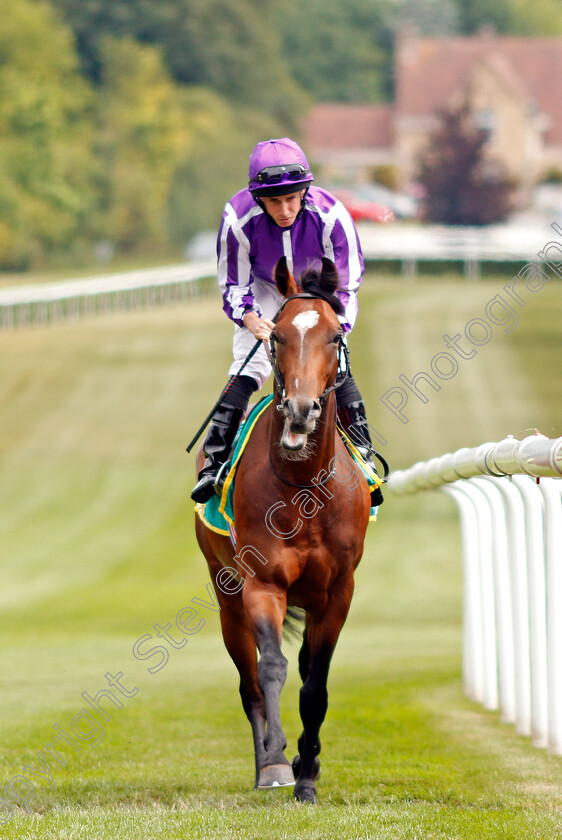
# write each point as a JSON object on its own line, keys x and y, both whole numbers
{"x": 280, "y": 214}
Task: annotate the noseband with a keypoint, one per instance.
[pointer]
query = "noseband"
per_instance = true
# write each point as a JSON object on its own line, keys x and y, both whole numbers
{"x": 343, "y": 353}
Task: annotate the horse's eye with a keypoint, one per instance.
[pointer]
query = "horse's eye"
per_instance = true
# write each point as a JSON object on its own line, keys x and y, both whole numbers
{"x": 336, "y": 339}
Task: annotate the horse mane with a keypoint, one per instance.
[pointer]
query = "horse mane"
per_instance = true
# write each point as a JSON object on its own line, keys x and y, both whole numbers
{"x": 322, "y": 285}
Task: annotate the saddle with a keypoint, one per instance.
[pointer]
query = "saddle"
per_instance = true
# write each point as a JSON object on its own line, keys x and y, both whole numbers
{"x": 218, "y": 513}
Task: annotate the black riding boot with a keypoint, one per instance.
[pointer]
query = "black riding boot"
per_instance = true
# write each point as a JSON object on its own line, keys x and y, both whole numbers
{"x": 221, "y": 434}
{"x": 217, "y": 446}
{"x": 353, "y": 419}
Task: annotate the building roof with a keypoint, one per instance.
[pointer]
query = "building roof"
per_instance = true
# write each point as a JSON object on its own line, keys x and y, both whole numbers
{"x": 335, "y": 126}
{"x": 430, "y": 70}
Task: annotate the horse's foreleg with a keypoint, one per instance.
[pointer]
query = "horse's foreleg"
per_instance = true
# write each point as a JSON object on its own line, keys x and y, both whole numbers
{"x": 240, "y": 643}
{"x": 239, "y": 640}
{"x": 322, "y": 633}
{"x": 267, "y": 610}
{"x": 304, "y": 664}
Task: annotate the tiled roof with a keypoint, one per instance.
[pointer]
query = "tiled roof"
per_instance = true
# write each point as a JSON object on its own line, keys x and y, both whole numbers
{"x": 346, "y": 126}
{"x": 433, "y": 69}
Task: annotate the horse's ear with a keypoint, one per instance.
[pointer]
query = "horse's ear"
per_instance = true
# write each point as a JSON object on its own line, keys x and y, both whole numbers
{"x": 329, "y": 279}
{"x": 284, "y": 280}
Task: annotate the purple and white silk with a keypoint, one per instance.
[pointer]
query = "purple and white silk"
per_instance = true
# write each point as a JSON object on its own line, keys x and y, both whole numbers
{"x": 249, "y": 245}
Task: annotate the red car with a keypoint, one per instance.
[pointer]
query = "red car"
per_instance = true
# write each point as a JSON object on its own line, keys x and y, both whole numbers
{"x": 363, "y": 210}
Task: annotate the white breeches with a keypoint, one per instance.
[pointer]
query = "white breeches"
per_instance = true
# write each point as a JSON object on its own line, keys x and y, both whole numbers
{"x": 258, "y": 367}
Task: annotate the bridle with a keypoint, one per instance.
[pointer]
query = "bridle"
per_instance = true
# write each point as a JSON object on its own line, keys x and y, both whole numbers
{"x": 343, "y": 353}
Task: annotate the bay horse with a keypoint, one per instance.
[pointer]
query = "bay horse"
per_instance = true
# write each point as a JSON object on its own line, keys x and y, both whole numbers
{"x": 301, "y": 511}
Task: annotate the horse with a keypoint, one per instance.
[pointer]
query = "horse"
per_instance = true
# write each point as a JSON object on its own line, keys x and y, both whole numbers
{"x": 301, "y": 513}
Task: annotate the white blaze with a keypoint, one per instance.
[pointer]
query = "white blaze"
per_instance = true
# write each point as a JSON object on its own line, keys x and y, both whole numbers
{"x": 304, "y": 321}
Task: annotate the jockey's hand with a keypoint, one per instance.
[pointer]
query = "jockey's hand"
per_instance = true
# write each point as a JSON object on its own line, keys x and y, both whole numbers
{"x": 260, "y": 328}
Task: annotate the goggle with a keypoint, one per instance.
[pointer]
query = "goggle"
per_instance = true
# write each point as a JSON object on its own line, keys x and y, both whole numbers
{"x": 275, "y": 174}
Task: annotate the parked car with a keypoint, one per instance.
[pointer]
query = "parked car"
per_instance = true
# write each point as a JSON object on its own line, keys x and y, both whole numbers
{"x": 403, "y": 206}
{"x": 363, "y": 209}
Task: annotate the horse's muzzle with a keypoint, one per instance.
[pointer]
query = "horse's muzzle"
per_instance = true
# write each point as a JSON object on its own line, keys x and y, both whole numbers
{"x": 300, "y": 415}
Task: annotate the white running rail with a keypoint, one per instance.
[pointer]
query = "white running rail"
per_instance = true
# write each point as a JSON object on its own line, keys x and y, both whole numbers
{"x": 509, "y": 497}
{"x": 45, "y": 302}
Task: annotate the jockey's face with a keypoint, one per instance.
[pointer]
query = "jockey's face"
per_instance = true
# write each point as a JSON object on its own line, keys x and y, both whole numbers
{"x": 283, "y": 209}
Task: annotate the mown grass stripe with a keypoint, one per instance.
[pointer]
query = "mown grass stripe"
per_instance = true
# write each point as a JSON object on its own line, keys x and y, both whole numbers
{"x": 94, "y": 485}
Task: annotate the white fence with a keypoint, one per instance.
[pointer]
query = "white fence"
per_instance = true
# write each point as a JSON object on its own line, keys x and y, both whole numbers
{"x": 45, "y": 302}
{"x": 509, "y": 499}
{"x": 408, "y": 244}
{"x": 518, "y": 242}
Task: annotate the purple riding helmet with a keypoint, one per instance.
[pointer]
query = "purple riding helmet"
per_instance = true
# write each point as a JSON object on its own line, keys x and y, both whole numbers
{"x": 278, "y": 167}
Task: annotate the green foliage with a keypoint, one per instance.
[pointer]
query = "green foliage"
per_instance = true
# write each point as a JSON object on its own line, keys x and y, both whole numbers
{"x": 132, "y": 120}
{"x": 475, "y": 14}
{"x": 144, "y": 133}
{"x": 338, "y": 51}
{"x": 216, "y": 165}
{"x": 431, "y": 18}
{"x": 345, "y": 51}
{"x": 511, "y": 17}
{"x": 233, "y": 48}
{"x": 462, "y": 186}
{"x": 541, "y": 17}
{"x": 45, "y": 154}
{"x": 140, "y": 161}
{"x": 173, "y": 153}
{"x": 147, "y": 155}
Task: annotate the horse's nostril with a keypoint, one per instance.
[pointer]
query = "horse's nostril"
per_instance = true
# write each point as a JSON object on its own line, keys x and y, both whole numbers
{"x": 299, "y": 412}
{"x": 287, "y": 408}
{"x": 311, "y": 410}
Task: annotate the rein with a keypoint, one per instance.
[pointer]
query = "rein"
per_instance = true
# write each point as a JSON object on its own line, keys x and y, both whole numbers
{"x": 301, "y": 486}
{"x": 343, "y": 353}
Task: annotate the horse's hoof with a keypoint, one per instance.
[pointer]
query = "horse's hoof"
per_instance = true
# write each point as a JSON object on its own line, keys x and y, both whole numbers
{"x": 305, "y": 791}
{"x": 297, "y": 767}
{"x": 276, "y": 776}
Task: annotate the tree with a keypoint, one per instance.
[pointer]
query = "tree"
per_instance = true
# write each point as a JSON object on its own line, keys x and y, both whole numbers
{"x": 339, "y": 51}
{"x": 474, "y": 14}
{"x": 233, "y": 48}
{"x": 541, "y": 17}
{"x": 45, "y": 140}
{"x": 216, "y": 165}
{"x": 170, "y": 155}
{"x": 511, "y": 17}
{"x": 144, "y": 134}
{"x": 430, "y": 18}
{"x": 462, "y": 185}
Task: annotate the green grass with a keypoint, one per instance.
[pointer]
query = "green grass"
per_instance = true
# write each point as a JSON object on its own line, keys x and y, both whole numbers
{"x": 98, "y": 547}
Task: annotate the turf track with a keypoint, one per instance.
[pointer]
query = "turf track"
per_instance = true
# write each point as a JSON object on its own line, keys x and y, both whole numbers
{"x": 97, "y": 547}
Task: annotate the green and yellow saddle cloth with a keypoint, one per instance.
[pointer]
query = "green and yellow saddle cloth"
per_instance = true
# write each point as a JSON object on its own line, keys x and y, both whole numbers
{"x": 218, "y": 514}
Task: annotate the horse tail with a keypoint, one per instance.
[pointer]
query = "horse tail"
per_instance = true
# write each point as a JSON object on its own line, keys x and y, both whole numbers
{"x": 293, "y": 623}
